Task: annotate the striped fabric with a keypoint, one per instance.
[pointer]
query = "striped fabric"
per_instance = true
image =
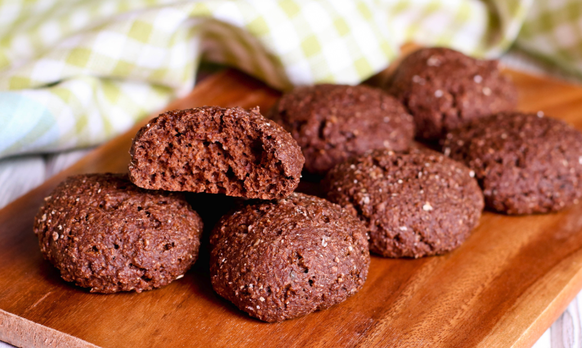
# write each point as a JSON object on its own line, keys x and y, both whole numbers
{"x": 74, "y": 73}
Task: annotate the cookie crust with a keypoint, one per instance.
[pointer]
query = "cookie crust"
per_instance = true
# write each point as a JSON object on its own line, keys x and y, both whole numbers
{"x": 414, "y": 204}
{"x": 104, "y": 233}
{"x": 284, "y": 259}
{"x": 525, "y": 163}
{"x": 444, "y": 89}
{"x": 334, "y": 122}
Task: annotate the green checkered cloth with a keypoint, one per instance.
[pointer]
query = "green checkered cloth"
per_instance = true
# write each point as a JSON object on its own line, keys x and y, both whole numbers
{"x": 74, "y": 73}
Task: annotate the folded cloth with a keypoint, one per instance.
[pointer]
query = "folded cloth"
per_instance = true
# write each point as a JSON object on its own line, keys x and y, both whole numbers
{"x": 74, "y": 73}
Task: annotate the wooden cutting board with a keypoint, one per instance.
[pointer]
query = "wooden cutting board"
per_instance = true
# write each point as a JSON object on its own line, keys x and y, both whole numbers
{"x": 504, "y": 287}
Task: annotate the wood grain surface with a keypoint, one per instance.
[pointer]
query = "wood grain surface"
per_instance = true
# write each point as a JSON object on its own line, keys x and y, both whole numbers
{"x": 502, "y": 288}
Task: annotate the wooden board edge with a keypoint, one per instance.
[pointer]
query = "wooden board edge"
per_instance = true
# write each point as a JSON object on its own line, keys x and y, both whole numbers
{"x": 552, "y": 312}
{"x": 22, "y": 332}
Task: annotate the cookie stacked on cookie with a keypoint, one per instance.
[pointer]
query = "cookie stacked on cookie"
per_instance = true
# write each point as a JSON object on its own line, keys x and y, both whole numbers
{"x": 142, "y": 237}
{"x": 230, "y": 151}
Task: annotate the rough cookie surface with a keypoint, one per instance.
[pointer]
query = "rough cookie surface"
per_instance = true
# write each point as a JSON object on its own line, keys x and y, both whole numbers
{"x": 334, "y": 122}
{"x": 414, "y": 204}
{"x": 210, "y": 149}
{"x": 444, "y": 89}
{"x": 104, "y": 233}
{"x": 525, "y": 163}
{"x": 284, "y": 259}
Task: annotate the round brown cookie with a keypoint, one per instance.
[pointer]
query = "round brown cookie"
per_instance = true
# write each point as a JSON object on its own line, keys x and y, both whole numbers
{"x": 334, "y": 122}
{"x": 216, "y": 150}
{"x": 284, "y": 259}
{"x": 444, "y": 89}
{"x": 104, "y": 233}
{"x": 525, "y": 163}
{"x": 414, "y": 204}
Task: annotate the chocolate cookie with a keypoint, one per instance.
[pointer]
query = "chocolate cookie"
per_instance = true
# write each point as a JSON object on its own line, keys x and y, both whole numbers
{"x": 334, "y": 122}
{"x": 284, "y": 259}
{"x": 444, "y": 89}
{"x": 414, "y": 204}
{"x": 525, "y": 163}
{"x": 104, "y": 233}
{"x": 216, "y": 150}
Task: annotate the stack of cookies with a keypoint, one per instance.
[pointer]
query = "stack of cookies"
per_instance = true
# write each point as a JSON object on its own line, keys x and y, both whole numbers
{"x": 280, "y": 254}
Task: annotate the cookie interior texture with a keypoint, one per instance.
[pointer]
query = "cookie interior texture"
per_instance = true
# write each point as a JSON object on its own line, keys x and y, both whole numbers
{"x": 284, "y": 259}
{"x": 414, "y": 204}
{"x": 525, "y": 163}
{"x": 334, "y": 122}
{"x": 444, "y": 89}
{"x": 104, "y": 233}
{"x": 216, "y": 150}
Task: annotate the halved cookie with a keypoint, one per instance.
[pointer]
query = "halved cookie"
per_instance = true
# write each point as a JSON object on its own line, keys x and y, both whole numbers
{"x": 211, "y": 149}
